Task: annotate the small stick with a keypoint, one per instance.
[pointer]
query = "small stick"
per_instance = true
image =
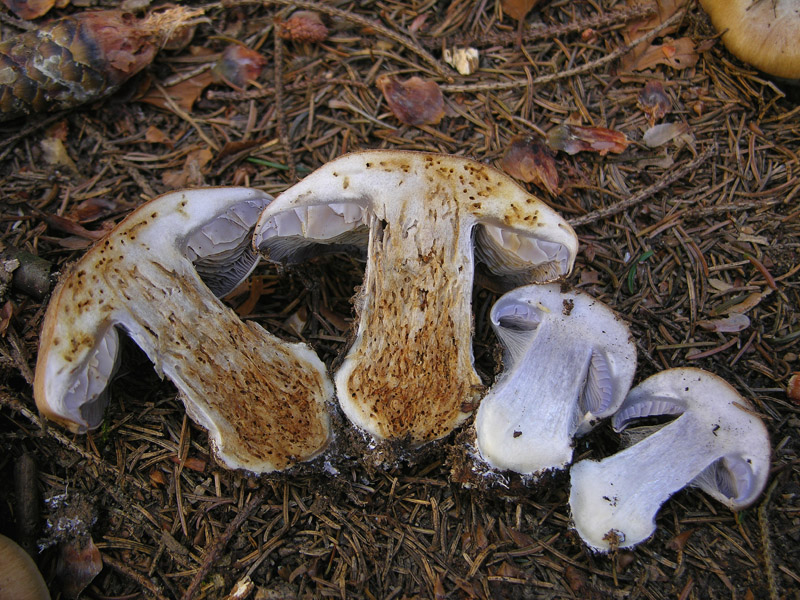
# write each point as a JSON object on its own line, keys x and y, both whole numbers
{"x": 28, "y": 505}
{"x": 216, "y": 550}
{"x": 637, "y": 198}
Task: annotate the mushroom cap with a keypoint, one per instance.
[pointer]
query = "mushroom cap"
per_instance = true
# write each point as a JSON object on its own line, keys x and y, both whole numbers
{"x": 716, "y": 443}
{"x": 262, "y": 400}
{"x": 569, "y": 362}
{"x": 20, "y": 579}
{"x": 762, "y": 33}
{"x": 409, "y": 370}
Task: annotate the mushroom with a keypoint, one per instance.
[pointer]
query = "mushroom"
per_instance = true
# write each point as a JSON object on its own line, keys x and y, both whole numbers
{"x": 716, "y": 443}
{"x": 155, "y": 276}
{"x": 569, "y": 362}
{"x": 409, "y": 373}
{"x": 19, "y": 577}
{"x": 762, "y": 33}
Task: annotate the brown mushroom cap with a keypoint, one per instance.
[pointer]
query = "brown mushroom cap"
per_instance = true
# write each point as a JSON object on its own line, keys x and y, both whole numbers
{"x": 19, "y": 577}
{"x": 762, "y": 33}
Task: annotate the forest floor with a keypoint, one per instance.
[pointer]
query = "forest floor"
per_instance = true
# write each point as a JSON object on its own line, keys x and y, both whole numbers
{"x": 694, "y": 241}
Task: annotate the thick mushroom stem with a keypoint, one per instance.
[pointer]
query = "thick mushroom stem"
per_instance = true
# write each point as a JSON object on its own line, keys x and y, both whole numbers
{"x": 261, "y": 399}
{"x": 508, "y": 436}
{"x": 715, "y": 444}
{"x": 569, "y": 362}
{"x": 409, "y": 373}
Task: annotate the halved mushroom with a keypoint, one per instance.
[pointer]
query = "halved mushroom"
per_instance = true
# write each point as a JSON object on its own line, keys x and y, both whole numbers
{"x": 262, "y": 400}
{"x": 409, "y": 373}
{"x": 717, "y": 444}
{"x": 569, "y": 362}
{"x": 762, "y": 33}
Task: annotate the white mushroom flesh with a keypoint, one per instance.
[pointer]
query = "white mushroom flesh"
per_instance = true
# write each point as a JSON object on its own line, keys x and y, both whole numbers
{"x": 409, "y": 373}
{"x": 569, "y": 362}
{"x": 262, "y": 400}
{"x": 716, "y": 443}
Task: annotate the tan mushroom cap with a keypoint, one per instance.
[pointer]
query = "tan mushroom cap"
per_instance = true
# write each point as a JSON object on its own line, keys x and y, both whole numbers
{"x": 762, "y": 33}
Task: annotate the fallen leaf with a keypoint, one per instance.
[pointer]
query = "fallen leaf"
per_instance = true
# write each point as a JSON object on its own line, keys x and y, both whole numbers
{"x": 793, "y": 388}
{"x": 679, "y": 542}
{"x": 678, "y": 54}
{"x": 658, "y": 135}
{"x": 192, "y": 172}
{"x": 663, "y": 10}
{"x": 517, "y": 9}
{"x": 528, "y": 159}
{"x": 575, "y": 138}
{"x": 184, "y": 94}
{"x": 55, "y": 154}
{"x": 29, "y": 9}
{"x": 79, "y": 562}
{"x": 155, "y": 136}
{"x": 239, "y": 66}
{"x": 654, "y": 101}
{"x": 732, "y": 324}
{"x": 415, "y": 101}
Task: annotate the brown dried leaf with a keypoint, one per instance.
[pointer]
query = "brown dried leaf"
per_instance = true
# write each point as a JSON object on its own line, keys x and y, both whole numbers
{"x": 653, "y": 101}
{"x": 575, "y": 138}
{"x": 517, "y": 9}
{"x": 79, "y": 562}
{"x": 29, "y": 9}
{"x": 415, "y": 101}
{"x": 658, "y": 135}
{"x": 528, "y": 159}
{"x": 663, "y": 11}
{"x": 5, "y": 316}
{"x": 192, "y": 172}
{"x": 679, "y": 542}
{"x": 239, "y": 66}
{"x": 732, "y": 324}
{"x": 55, "y": 154}
{"x": 155, "y": 136}
{"x": 678, "y": 54}
{"x": 184, "y": 94}
{"x": 793, "y": 388}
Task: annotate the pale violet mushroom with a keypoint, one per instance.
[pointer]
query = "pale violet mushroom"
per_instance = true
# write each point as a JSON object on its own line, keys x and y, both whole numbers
{"x": 716, "y": 443}
{"x": 409, "y": 373}
{"x": 569, "y": 361}
{"x": 262, "y": 400}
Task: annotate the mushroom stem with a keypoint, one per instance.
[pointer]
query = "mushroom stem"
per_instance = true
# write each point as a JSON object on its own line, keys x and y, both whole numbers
{"x": 507, "y": 436}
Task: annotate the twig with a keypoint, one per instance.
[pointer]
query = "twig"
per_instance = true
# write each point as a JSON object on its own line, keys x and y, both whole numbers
{"x": 280, "y": 115}
{"x": 268, "y": 91}
{"x": 763, "y": 523}
{"x": 140, "y": 579}
{"x": 637, "y": 198}
{"x": 590, "y": 66}
{"x": 215, "y": 552}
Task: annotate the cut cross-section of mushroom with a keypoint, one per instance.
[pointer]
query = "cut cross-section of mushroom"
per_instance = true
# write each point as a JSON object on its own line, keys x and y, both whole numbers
{"x": 263, "y": 400}
{"x": 569, "y": 362}
{"x": 716, "y": 443}
{"x": 409, "y": 373}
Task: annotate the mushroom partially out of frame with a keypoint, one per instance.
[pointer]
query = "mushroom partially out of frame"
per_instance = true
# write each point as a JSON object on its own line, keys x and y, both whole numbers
{"x": 409, "y": 373}
{"x": 716, "y": 443}
{"x": 262, "y": 400}
{"x": 762, "y": 33}
{"x": 569, "y": 361}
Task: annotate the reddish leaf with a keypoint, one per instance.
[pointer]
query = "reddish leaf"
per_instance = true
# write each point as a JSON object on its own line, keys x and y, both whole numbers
{"x": 678, "y": 54}
{"x": 155, "y": 136}
{"x": 575, "y": 138}
{"x": 239, "y": 66}
{"x": 680, "y": 540}
{"x": 528, "y": 159}
{"x": 79, "y": 562}
{"x": 654, "y": 101}
{"x": 415, "y": 101}
{"x": 517, "y": 9}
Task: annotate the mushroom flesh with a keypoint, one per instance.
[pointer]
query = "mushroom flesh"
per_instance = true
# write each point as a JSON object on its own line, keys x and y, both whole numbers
{"x": 569, "y": 361}
{"x": 155, "y": 276}
{"x": 409, "y": 374}
{"x": 716, "y": 443}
